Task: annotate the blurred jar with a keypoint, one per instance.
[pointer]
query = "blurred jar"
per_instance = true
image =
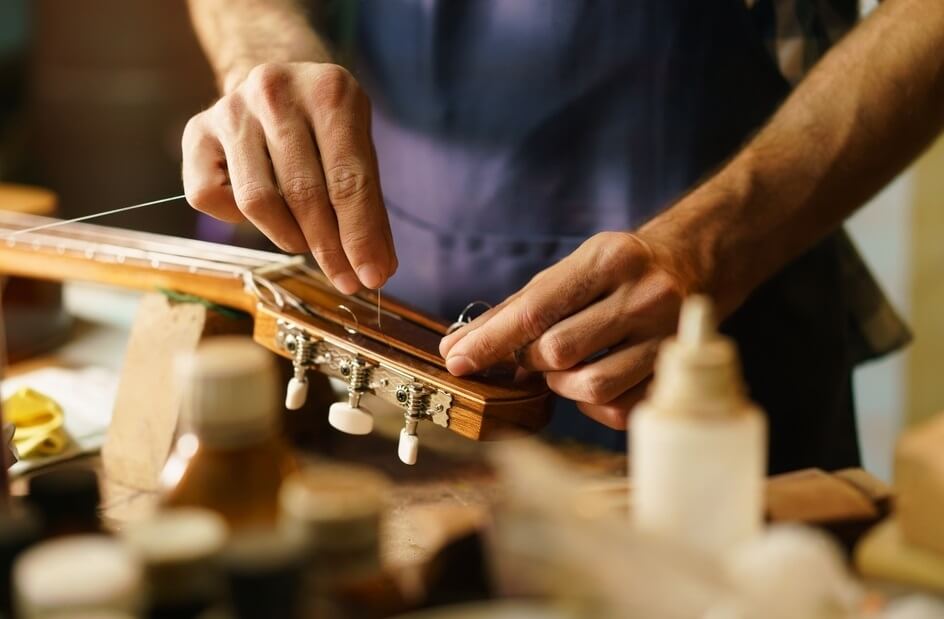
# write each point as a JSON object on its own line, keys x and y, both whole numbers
{"x": 66, "y": 501}
{"x": 232, "y": 457}
{"x": 264, "y": 571}
{"x": 178, "y": 549}
{"x": 339, "y": 510}
{"x": 19, "y": 529}
{"x": 67, "y": 576}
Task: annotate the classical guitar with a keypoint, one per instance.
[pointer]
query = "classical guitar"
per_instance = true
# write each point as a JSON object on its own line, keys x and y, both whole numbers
{"x": 391, "y": 353}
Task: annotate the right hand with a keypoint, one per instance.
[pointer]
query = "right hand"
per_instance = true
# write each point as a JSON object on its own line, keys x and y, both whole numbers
{"x": 290, "y": 150}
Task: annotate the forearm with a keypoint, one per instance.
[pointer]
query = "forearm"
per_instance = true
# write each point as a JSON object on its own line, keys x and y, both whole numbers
{"x": 868, "y": 108}
{"x": 237, "y": 35}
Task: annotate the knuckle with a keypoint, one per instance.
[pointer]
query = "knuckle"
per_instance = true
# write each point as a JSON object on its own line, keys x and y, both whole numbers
{"x": 270, "y": 84}
{"x": 229, "y": 113}
{"x": 357, "y": 239}
{"x": 193, "y": 130}
{"x": 301, "y": 191}
{"x": 347, "y": 184}
{"x": 333, "y": 86}
{"x": 485, "y": 348}
{"x": 254, "y": 198}
{"x": 616, "y": 251}
{"x": 531, "y": 321}
{"x": 202, "y": 197}
{"x": 330, "y": 258}
{"x": 557, "y": 352}
{"x": 597, "y": 388}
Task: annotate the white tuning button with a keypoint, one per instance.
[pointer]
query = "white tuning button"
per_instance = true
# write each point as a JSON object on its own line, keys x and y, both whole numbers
{"x": 350, "y": 419}
{"x": 408, "y": 447}
{"x": 296, "y": 394}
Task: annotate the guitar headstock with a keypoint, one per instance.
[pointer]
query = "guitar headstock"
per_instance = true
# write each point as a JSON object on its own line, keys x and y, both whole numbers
{"x": 395, "y": 359}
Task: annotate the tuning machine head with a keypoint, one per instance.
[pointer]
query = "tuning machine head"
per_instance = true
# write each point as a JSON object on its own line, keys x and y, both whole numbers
{"x": 302, "y": 348}
{"x": 350, "y": 417}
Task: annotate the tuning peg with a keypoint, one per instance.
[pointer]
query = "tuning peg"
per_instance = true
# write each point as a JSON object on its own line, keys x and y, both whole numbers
{"x": 408, "y": 447}
{"x": 296, "y": 393}
{"x": 350, "y": 419}
{"x": 302, "y": 348}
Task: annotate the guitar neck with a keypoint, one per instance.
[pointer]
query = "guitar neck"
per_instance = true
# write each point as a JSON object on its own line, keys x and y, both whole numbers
{"x": 127, "y": 259}
{"x": 289, "y": 302}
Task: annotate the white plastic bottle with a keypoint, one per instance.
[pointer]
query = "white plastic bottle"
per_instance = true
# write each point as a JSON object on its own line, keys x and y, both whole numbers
{"x": 697, "y": 444}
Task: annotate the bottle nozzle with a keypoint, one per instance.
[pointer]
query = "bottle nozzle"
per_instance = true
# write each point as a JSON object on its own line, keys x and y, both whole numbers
{"x": 696, "y": 321}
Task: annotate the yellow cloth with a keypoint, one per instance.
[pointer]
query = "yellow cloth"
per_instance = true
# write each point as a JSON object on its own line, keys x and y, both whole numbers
{"x": 39, "y": 423}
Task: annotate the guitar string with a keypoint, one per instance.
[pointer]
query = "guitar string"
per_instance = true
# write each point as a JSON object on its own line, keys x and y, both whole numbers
{"x": 63, "y": 222}
{"x": 132, "y": 207}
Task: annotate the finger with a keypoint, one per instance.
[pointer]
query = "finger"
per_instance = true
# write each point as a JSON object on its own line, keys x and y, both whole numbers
{"x": 254, "y": 188}
{"x": 340, "y": 116}
{"x": 449, "y": 341}
{"x": 302, "y": 184}
{"x": 577, "y": 337}
{"x": 603, "y": 380}
{"x": 389, "y": 228}
{"x": 206, "y": 183}
{"x": 552, "y": 295}
{"x": 615, "y": 414}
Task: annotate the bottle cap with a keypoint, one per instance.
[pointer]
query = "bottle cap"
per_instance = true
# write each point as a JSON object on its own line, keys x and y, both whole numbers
{"x": 698, "y": 372}
{"x": 229, "y": 391}
{"x": 77, "y": 573}
{"x": 179, "y": 535}
{"x": 67, "y": 500}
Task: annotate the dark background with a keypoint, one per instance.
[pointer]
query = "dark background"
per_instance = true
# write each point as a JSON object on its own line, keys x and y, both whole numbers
{"x": 93, "y": 98}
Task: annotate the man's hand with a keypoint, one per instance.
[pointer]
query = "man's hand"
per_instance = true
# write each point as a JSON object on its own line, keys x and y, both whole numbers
{"x": 592, "y": 322}
{"x": 290, "y": 150}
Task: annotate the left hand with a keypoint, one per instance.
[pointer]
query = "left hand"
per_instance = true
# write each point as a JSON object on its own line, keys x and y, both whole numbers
{"x": 592, "y": 322}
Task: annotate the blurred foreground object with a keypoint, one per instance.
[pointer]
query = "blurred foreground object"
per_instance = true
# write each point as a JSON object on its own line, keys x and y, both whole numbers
{"x": 231, "y": 457}
{"x": 36, "y": 319}
{"x": 264, "y": 573}
{"x": 919, "y": 480}
{"x": 66, "y": 501}
{"x": 791, "y": 572}
{"x": 884, "y": 554}
{"x": 698, "y": 445}
{"x": 909, "y": 547}
{"x": 552, "y": 541}
{"x": 71, "y": 575}
{"x": 339, "y": 509}
{"x": 179, "y": 549}
{"x": 147, "y": 407}
{"x": 844, "y": 503}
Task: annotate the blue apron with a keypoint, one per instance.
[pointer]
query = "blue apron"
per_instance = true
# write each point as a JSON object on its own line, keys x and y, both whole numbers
{"x": 508, "y": 131}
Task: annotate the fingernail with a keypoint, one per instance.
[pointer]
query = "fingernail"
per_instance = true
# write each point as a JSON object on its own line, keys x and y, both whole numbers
{"x": 346, "y": 283}
{"x": 370, "y": 276}
{"x": 459, "y": 365}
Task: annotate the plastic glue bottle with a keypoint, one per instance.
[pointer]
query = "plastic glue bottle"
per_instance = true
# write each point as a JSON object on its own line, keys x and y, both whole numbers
{"x": 697, "y": 444}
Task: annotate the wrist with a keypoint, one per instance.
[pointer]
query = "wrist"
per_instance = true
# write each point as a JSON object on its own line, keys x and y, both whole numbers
{"x": 713, "y": 242}
{"x": 233, "y": 71}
